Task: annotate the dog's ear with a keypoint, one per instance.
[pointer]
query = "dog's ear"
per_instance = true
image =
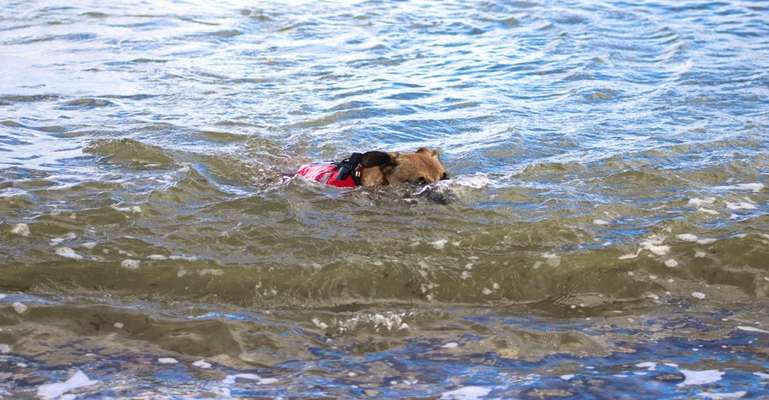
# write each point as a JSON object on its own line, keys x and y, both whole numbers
{"x": 378, "y": 159}
{"x": 427, "y": 151}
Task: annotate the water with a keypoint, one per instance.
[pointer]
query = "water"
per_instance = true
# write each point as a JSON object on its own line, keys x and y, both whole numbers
{"x": 604, "y": 233}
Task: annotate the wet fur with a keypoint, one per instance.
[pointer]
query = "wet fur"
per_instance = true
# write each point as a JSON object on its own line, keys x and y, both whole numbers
{"x": 420, "y": 167}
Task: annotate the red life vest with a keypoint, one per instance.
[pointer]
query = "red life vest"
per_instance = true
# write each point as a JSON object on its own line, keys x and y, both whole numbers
{"x": 328, "y": 174}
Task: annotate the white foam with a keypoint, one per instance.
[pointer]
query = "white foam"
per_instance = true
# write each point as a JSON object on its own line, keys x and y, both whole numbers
{"x": 707, "y": 211}
{"x": 157, "y": 257}
{"x": 704, "y": 241}
{"x": 700, "y": 377}
{"x": 66, "y": 252}
{"x": 118, "y": 325}
{"x": 130, "y": 264}
{"x": 211, "y": 271}
{"x": 740, "y": 205}
{"x": 202, "y": 364}
{"x": 183, "y": 258}
{"x": 761, "y": 375}
{"x": 698, "y": 295}
{"x": 54, "y": 390}
{"x": 671, "y": 263}
{"x": 388, "y": 320}
{"x": 21, "y": 230}
{"x": 4, "y": 348}
{"x": 649, "y": 365}
{"x": 230, "y": 379}
{"x": 450, "y": 345}
{"x": 439, "y": 244}
{"x": 466, "y": 393}
{"x": 687, "y": 237}
{"x": 477, "y": 181}
{"x": 69, "y": 236}
{"x": 89, "y": 245}
{"x": 567, "y": 377}
{"x": 655, "y": 246}
{"x": 19, "y": 307}
{"x": 320, "y": 324}
{"x": 552, "y": 259}
{"x": 697, "y": 202}
{"x": 132, "y": 209}
{"x": 600, "y": 222}
{"x": 718, "y": 396}
{"x": 167, "y": 360}
{"x": 755, "y": 187}
{"x": 751, "y": 329}
{"x": 629, "y": 256}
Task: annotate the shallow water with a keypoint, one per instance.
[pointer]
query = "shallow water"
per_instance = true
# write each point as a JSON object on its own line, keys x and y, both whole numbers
{"x": 604, "y": 233}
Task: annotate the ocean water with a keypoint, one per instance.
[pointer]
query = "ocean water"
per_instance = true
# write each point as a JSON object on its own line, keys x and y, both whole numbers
{"x": 604, "y": 233}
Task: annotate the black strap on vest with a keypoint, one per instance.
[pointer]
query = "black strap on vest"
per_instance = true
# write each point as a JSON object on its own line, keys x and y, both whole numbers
{"x": 349, "y": 165}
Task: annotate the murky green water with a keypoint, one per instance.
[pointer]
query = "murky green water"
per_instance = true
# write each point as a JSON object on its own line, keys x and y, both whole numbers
{"x": 607, "y": 207}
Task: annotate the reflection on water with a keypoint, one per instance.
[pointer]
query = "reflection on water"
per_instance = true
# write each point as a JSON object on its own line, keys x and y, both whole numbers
{"x": 604, "y": 231}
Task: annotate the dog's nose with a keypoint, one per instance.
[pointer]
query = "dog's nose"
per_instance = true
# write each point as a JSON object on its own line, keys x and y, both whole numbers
{"x": 444, "y": 176}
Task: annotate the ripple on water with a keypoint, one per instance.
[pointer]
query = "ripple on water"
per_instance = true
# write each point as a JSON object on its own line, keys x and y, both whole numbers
{"x": 606, "y": 208}
{"x": 131, "y": 153}
{"x": 85, "y": 104}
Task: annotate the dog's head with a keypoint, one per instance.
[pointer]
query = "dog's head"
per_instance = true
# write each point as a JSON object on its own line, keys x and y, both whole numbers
{"x": 421, "y": 167}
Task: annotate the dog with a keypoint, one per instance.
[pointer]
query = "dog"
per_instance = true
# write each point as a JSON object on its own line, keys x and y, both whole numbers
{"x": 378, "y": 168}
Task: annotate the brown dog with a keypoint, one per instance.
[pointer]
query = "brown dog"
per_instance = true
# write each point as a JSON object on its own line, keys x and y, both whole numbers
{"x": 376, "y": 168}
{"x": 421, "y": 167}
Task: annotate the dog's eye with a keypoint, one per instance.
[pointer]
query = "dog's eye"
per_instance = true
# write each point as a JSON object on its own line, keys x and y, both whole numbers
{"x": 444, "y": 176}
